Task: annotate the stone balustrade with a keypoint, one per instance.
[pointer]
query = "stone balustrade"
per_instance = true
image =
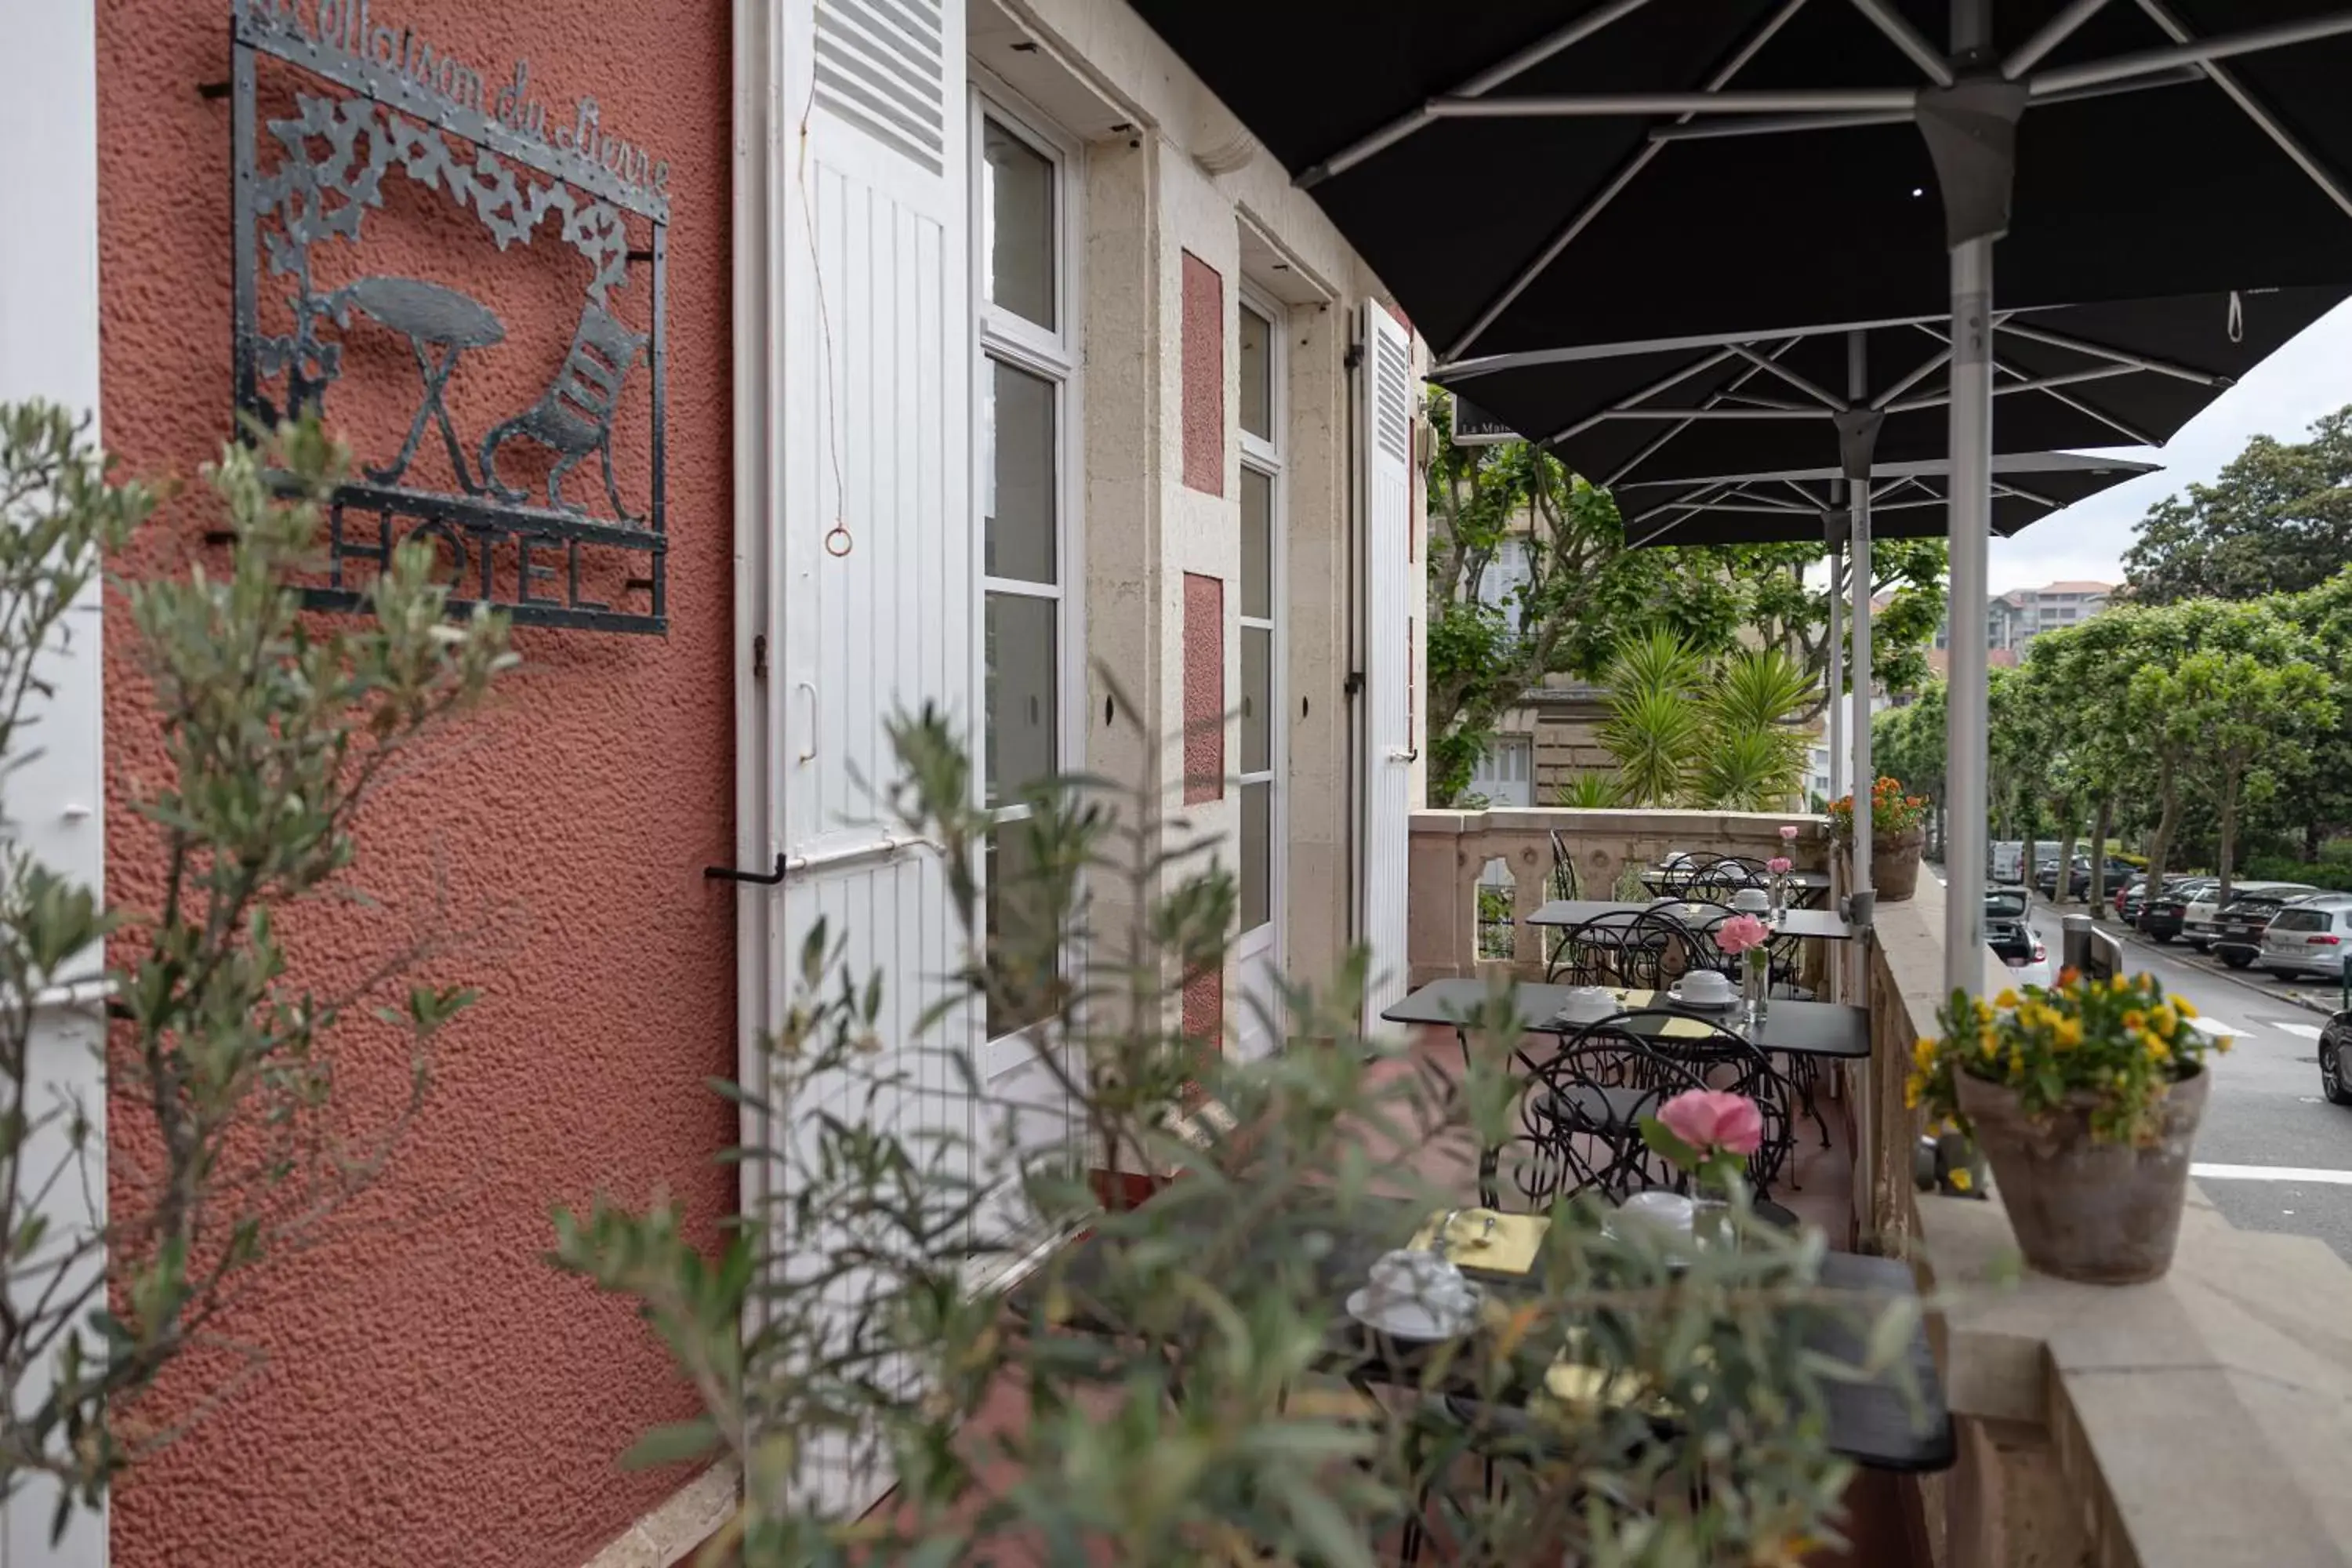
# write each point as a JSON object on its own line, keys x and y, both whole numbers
{"x": 1450, "y": 852}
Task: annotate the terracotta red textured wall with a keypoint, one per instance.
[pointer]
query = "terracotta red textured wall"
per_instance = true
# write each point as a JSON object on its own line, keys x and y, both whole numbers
{"x": 1205, "y": 688}
{"x": 1204, "y": 376}
{"x": 435, "y": 1395}
{"x": 1204, "y": 1005}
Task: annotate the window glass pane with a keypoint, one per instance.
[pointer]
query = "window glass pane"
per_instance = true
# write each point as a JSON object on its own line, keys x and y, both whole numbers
{"x": 1257, "y": 699}
{"x": 1017, "y": 427}
{"x": 1257, "y": 375}
{"x": 1020, "y": 694}
{"x": 1257, "y": 544}
{"x": 1257, "y": 852}
{"x": 1016, "y": 206}
{"x": 1024, "y": 946}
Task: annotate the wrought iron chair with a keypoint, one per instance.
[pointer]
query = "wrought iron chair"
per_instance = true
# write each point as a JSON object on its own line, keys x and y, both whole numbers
{"x": 574, "y": 417}
{"x": 1724, "y": 1059}
{"x": 1581, "y": 1114}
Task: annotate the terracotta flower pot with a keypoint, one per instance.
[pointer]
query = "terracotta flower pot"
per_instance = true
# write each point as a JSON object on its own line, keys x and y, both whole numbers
{"x": 2103, "y": 1213}
{"x": 1894, "y": 863}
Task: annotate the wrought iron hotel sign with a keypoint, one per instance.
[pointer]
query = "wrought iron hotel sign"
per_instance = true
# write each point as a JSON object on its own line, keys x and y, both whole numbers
{"x": 529, "y": 513}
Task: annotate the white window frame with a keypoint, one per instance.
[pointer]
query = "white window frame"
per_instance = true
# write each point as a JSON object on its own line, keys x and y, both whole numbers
{"x": 1055, "y": 355}
{"x": 1264, "y": 455}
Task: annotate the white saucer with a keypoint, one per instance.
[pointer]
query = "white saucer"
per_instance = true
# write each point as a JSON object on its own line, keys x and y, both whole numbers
{"x": 1674, "y": 995}
{"x": 1411, "y": 1321}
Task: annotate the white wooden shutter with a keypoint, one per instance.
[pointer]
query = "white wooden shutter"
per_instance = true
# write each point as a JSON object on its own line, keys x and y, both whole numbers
{"x": 870, "y": 565}
{"x": 53, "y": 802}
{"x": 1390, "y": 577}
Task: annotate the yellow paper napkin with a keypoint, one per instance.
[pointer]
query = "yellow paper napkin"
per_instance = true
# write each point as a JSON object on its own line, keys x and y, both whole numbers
{"x": 1509, "y": 1248}
{"x": 1633, "y": 1000}
{"x": 1686, "y": 1029}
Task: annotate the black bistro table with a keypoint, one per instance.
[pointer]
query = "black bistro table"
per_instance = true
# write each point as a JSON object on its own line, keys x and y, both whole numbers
{"x": 1805, "y": 1030}
{"x": 1825, "y": 924}
{"x": 1669, "y": 877}
{"x": 1897, "y": 1421}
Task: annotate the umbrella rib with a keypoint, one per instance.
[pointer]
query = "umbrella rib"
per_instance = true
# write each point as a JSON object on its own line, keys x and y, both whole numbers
{"x": 2254, "y": 109}
{"x": 1493, "y": 75}
{"x": 1904, "y": 37}
{"x": 1925, "y": 369}
{"x": 2003, "y": 488}
{"x": 2119, "y": 357}
{"x": 1898, "y": 100}
{"x": 1655, "y": 387}
{"x": 1776, "y": 124}
{"x": 1832, "y": 402}
{"x": 2054, "y": 32}
{"x": 1609, "y": 193}
{"x": 2141, "y": 437}
{"x": 1644, "y": 456}
{"x": 2025, "y": 384}
{"x": 2190, "y": 51}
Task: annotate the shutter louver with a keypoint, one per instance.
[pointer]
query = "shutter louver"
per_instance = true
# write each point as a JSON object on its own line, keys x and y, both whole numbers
{"x": 879, "y": 68}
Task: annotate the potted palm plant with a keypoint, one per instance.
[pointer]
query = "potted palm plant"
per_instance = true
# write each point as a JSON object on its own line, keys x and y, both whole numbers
{"x": 1898, "y": 830}
{"x": 2084, "y": 1097}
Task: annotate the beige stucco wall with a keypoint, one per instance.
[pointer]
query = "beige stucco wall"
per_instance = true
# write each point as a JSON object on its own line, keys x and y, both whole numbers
{"x": 1148, "y": 200}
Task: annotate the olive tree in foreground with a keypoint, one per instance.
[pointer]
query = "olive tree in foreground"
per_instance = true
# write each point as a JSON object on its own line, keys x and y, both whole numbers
{"x": 227, "y": 1140}
{"x": 851, "y": 1317}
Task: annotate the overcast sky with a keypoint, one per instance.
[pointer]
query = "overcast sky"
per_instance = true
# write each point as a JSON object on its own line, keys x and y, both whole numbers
{"x": 2309, "y": 377}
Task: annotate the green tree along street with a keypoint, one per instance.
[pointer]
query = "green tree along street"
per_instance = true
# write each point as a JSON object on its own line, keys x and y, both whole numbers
{"x": 2277, "y": 521}
{"x": 1584, "y": 596}
{"x": 2156, "y": 720}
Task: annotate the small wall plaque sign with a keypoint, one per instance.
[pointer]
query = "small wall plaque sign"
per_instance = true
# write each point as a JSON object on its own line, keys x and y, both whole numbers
{"x": 525, "y": 505}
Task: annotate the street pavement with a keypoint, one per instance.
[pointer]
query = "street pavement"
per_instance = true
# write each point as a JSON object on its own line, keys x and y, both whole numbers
{"x": 2271, "y": 1155}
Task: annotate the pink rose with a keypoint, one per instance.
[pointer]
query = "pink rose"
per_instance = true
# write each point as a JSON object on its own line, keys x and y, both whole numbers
{"x": 1709, "y": 1118}
{"x": 1780, "y": 865}
{"x": 1740, "y": 932}
{"x": 1788, "y": 833}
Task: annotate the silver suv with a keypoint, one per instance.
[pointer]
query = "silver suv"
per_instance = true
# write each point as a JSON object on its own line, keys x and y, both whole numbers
{"x": 2310, "y": 936}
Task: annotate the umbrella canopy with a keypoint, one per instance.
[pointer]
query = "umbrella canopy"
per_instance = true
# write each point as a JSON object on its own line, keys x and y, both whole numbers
{"x": 1670, "y": 172}
{"x": 1559, "y": 171}
{"x": 2090, "y": 376}
{"x": 1907, "y": 501}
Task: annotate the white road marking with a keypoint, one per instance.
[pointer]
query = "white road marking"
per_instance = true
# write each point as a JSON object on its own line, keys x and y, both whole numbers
{"x": 2300, "y": 1031}
{"x": 2223, "y": 1027}
{"x": 2272, "y": 1173}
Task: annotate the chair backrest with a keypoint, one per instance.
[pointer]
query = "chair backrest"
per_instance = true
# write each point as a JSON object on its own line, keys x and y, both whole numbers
{"x": 1563, "y": 868}
{"x": 1580, "y": 1113}
{"x": 1723, "y": 1058}
{"x": 588, "y": 386}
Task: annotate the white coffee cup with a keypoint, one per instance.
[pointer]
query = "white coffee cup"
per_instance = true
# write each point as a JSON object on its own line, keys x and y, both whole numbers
{"x": 1706, "y": 985}
{"x": 1418, "y": 1292}
{"x": 1586, "y": 1004}
{"x": 1751, "y": 901}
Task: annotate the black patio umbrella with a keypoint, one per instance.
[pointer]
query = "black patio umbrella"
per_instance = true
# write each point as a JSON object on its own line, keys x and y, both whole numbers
{"x": 1907, "y": 501}
{"x": 1665, "y": 172}
{"x": 2126, "y": 372}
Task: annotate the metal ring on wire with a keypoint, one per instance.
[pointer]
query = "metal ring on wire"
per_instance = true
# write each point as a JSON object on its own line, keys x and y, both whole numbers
{"x": 837, "y": 540}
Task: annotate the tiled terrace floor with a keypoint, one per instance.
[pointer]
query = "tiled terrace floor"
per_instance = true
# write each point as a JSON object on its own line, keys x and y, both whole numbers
{"x": 1821, "y": 1194}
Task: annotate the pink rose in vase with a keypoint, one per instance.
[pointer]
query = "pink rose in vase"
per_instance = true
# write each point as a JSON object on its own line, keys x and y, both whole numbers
{"x": 1780, "y": 865}
{"x": 1741, "y": 933}
{"x": 1788, "y": 833}
{"x": 1714, "y": 1122}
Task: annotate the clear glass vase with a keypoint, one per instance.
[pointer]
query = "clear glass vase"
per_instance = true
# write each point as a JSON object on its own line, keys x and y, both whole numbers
{"x": 1755, "y": 981}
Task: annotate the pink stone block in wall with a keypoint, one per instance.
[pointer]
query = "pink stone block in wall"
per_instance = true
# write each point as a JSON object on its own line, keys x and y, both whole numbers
{"x": 1205, "y": 377}
{"x": 1204, "y": 1005}
{"x": 1205, "y": 688}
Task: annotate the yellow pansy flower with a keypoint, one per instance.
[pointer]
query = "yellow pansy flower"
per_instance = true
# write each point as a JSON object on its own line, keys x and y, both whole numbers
{"x": 2070, "y": 1033}
{"x": 1962, "y": 1180}
{"x": 2180, "y": 1004}
{"x": 1924, "y": 1052}
{"x": 2165, "y": 1021}
{"x": 2118, "y": 984}
{"x": 2006, "y": 999}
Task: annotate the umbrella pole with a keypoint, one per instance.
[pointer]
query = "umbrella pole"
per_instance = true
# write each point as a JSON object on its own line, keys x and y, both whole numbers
{"x": 1971, "y": 521}
{"x": 1837, "y": 668}
{"x": 1858, "y": 438}
{"x": 1965, "y": 717}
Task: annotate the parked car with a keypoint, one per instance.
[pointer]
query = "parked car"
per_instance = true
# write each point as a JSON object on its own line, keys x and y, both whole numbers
{"x": 2240, "y": 925}
{"x": 2309, "y": 936}
{"x": 2163, "y": 915}
{"x": 2335, "y": 1059}
{"x": 2078, "y": 876}
{"x": 2009, "y": 932}
{"x": 2201, "y": 921}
